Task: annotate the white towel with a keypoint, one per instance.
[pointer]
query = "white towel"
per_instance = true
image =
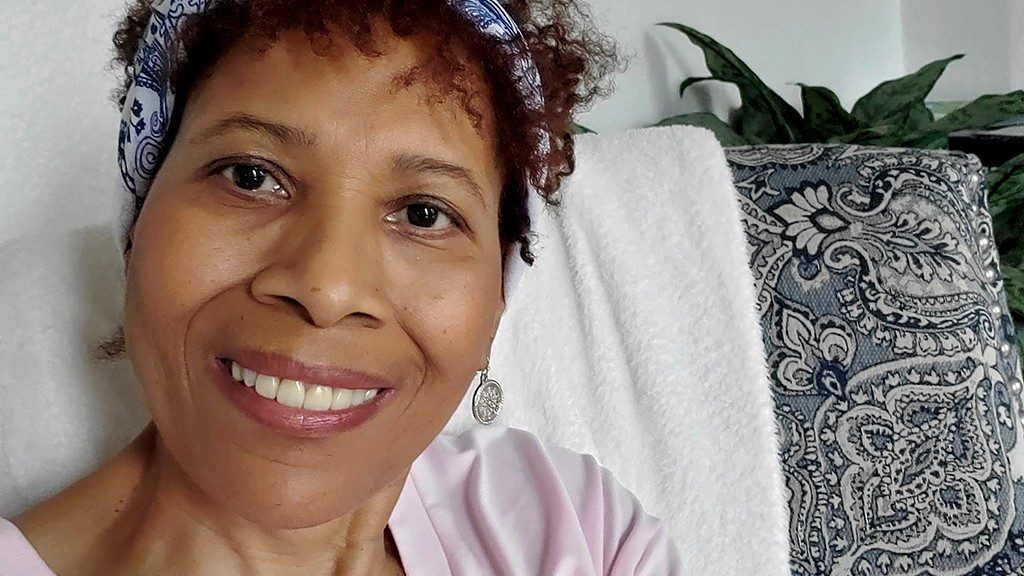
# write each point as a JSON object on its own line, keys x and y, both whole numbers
{"x": 634, "y": 338}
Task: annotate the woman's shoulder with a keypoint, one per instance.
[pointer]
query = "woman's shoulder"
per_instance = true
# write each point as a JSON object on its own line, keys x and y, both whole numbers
{"x": 513, "y": 454}
{"x": 547, "y": 504}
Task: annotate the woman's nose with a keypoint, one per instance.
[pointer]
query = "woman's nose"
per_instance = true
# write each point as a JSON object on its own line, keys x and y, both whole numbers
{"x": 328, "y": 269}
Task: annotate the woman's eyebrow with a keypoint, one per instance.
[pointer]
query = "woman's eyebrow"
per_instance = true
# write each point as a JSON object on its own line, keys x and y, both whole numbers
{"x": 283, "y": 133}
{"x": 416, "y": 163}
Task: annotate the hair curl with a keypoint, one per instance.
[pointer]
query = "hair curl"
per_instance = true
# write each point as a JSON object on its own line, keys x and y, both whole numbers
{"x": 574, "y": 59}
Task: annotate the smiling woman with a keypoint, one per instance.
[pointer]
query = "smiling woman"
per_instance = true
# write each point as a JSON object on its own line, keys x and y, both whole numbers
{"x": 325, "y": 204}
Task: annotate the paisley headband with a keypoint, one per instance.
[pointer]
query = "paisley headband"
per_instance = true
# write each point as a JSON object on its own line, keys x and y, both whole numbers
{"x": 149, "y": 103}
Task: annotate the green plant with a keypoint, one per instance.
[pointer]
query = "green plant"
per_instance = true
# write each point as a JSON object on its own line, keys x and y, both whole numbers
{"x": 892, "y": 114}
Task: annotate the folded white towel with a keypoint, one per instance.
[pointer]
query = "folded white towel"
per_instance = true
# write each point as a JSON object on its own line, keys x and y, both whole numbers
{"x": 634, "y": 338}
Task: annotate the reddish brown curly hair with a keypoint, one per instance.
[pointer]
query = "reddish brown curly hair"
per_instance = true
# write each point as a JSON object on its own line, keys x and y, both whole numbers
{"x": 574, "y": 59}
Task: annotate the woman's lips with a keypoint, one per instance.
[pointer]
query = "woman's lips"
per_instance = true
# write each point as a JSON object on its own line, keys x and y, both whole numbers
{"x": 295, "y": 422}
{"x": 284, "y": 366}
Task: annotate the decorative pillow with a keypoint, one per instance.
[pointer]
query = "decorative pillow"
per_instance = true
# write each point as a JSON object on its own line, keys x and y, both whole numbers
{"x": 897, "y": 388}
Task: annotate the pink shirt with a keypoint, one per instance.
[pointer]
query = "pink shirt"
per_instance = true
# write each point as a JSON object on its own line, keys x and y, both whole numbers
{"x": 495, "y": 501}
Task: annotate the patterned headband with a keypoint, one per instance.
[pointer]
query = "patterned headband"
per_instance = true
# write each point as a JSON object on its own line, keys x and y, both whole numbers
{"x": 149, "y": 103}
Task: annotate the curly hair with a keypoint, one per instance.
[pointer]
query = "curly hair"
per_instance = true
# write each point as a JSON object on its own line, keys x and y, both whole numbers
{"x": 574, "y": 59}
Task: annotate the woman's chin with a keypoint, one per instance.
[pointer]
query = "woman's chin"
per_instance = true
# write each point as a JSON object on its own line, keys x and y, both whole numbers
{"x": 286, "y": 502}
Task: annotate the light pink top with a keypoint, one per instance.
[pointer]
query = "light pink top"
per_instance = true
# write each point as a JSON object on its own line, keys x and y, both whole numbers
{"x": 495, "y": 501}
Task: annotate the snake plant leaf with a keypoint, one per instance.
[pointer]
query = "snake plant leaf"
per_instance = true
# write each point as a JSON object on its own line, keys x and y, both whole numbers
{"x": 824, "y": 114}
{"x": 896, "y": 99}
{"x": 726, "y": 135}
{"x": 981, "y": 113}
{"x": 780, "y": 123}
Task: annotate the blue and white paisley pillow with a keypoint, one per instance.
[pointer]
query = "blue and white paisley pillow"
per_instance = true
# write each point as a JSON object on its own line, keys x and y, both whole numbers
{"x": 889, "y": 344}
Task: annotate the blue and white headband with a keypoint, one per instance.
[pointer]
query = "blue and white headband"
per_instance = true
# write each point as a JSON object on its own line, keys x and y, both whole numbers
{"x": 149, "y": 103}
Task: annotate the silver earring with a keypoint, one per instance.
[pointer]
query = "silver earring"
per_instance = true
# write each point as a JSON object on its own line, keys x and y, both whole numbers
{"x": 487, "y": 399}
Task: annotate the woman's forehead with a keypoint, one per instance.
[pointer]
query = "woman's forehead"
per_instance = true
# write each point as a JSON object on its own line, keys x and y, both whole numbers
{"x": 406, "y": 69}
{"x": 330, "y": 101}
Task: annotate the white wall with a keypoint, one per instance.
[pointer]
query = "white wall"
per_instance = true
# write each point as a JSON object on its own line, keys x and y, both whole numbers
{"x": 989, "y": 32}
{"x": 1016, "y": 32}
{"x": 58, "y": 129}
{"x": 848, "y": 46}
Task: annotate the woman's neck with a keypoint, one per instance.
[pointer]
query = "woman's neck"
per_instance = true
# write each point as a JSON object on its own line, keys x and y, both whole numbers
{"x": 140, "y": 514}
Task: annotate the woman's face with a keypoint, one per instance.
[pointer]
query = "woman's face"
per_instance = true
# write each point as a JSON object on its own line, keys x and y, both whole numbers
{"x": 302, "y": 211}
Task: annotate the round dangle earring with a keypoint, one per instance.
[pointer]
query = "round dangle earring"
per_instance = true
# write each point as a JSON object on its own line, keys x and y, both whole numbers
{"x": 487, "y": 398}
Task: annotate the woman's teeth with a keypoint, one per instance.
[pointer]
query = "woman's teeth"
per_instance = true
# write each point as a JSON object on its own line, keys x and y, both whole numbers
{"x": 295, "y": 394}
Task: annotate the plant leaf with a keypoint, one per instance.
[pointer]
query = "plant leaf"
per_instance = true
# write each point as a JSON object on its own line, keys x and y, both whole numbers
{"x": 1012, "y": 258}
{"x": 726, "y": 135}
{"x": 755, "y": 126}
{"x": 1006, "y": 205}
{"x": 918, "y": 117}
{"x": 981, "y": 113}
{"x": 1013, "y": 283}
{"x": 894, "y": 132}
{"x": 691, "y": 81}
{"x": 782, "y": 123}
{"x": 861, "y": 135}
{"x": 575, "y": 128}
{"x": 896, "y": 99}
{"x": 1000, "y": 196}
{"x": 1020, "y": 336}
{"x": 824, "y": 114}
{"x": 1008, "y": 232}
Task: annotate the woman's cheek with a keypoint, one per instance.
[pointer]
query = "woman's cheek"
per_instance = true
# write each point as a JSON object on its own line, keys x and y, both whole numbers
{"x": 449, "y": 315}
{"x": 194, "y": 254}
{"x": 172, "y": 274}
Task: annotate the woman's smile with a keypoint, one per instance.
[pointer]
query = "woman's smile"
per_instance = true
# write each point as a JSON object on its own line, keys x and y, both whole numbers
{"x": 296, "y": 399}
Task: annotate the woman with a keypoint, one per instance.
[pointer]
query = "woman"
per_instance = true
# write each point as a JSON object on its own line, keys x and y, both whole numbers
{"x": 326, "y": 205}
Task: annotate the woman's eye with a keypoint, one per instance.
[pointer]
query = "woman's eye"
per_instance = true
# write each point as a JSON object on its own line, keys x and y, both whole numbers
{"x": 422, "y": 215}
{"x": 251, "y": 177}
